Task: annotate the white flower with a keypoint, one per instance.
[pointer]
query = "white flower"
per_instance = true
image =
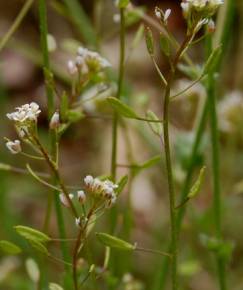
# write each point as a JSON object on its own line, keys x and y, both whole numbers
{"x": 64, "y": 199}
{"x": 158, "y": 13}
{"x": 14, "y": 146}
{"x": 77, "y": 221}
{"x": 72, "y": 69}
{"x": 55, "y": 121}
{"x": 167, "y": 15}
{"x": 27, "y": 112}
{"x": 81, "y": 196}
{"x": 88, "y": 180}
{"x": 211, "y": 26}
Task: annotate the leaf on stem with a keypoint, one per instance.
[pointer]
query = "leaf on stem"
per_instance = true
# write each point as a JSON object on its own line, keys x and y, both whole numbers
{"x": 149, "y": 41}
{"x": 9, "y": 248}
{"x": 212, "y": 60}
{"x": 121, "y": 184}
{"x": 165, "y": 44}
{"x": 197, "y": 185}
{"x": 122, "y": 108}
{"x": 114, "y": 242}
{"x": 156, "y": 127}
{"x": 32, "y": 234}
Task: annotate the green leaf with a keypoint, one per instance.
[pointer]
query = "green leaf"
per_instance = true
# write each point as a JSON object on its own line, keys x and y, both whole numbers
{"x": 9, "y": 248}
{"x": 37, "y": 245}
{"x": 54, "y": 286}
{"x": 164, "y": 44}
{"x": 32, "y": 270}
{"x": 121, "y": 184}
{"x": 156, "y": 127}
{"x": 114, "y": 242}
{"x": 122, "y": 3}
{"x": 32, "y": 234}
{"x": 212, "y": 60}
{"x": 74, "y": 116}
{"x": 122, "y": 108}
{"x": 149, "y": 41}
{"x": 151, "y": 162}
{"x": 198, "y": 183}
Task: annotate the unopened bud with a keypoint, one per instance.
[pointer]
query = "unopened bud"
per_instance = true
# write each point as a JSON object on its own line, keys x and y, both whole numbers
{"x": 55, "y": 121}
{"x": 81, "y": 196}
{"x": 64, "y": 199}
{"x": 211, "y": 26}
{"x": 72, "y": 69}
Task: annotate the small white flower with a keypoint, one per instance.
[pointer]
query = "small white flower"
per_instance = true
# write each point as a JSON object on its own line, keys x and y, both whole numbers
{"x": 211, "y": 26}
{"x": 72, "y": 69}
{"x": 27, "y": 112}
{"x": 55, "y": 121}
{"x": 88, "y": 180}
{"x": 14, "y": 146}
{"x": 158, "y": 13}
{"x": 64, "y": 199}
{"x": 167, "y": 15}
{"x": 77, "y": 221}
{"x": 81, "y": 196}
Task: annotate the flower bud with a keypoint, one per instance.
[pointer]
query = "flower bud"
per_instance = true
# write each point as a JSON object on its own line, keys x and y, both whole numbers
{"x": 64, "y": 199}
{"x": 81, "y": 196}
{"x": 55, "y": 121}
{"x": 14, "y": 146}
{"x": 72, "y": 69}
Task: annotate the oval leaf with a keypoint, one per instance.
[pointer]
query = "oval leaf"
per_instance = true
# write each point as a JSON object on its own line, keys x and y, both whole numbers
{"x": 122, "y": 108}
{"x": 114, "y": 242}
{"x": 32, "y": 270}
{"x": 54, "y": 286}
{"x": 39, "y": 247}
{"x": 121, "y": 184}
{"x": 197, "y": 185}
{"x": 212, "y": 60}
{"x": 156, "y": 127}
{"x": 9, "y": 248}
{"x": 32, "y": 234}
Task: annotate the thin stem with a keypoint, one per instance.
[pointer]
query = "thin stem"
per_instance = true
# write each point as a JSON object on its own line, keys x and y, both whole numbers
{"x": 217, "y": 204}
{"x": 174, "y": 236}
{"x": 119, "y": 92}
{"x": 16, "y": 23}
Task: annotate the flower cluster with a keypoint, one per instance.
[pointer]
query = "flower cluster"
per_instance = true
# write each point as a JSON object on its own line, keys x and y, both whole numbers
{"x": 199, "y": 10}
{"x": 101, "y": 189}
{"x": 87, "y": 61}
{"x": 25, "y": 113}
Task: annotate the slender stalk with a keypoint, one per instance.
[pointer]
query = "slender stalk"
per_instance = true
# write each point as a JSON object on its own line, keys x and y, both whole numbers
{"x": 54, "y": 147}
{"x": 174, "y": 236}
{"x": 119, "y": 91}
{"x": 16, "y": 23}
{"x": 217, "y": 204}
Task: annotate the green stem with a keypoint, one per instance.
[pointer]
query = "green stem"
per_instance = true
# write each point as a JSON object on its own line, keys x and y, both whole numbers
{"x": 45, "y": 54}
{"x": 217, "y": 204}
{"x": 174, "y": 235}
{"x": 16, "y": 23}
{"x": 54, "y": 149}
{"x": 119, "y": 92}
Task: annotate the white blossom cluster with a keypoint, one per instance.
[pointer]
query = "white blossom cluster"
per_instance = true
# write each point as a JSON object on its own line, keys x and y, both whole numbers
{"x": 104, "y": 189}
{"x": 199, "y": 10}
{"x": 87, "y": 61}
{"x": 27, "y": 112}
